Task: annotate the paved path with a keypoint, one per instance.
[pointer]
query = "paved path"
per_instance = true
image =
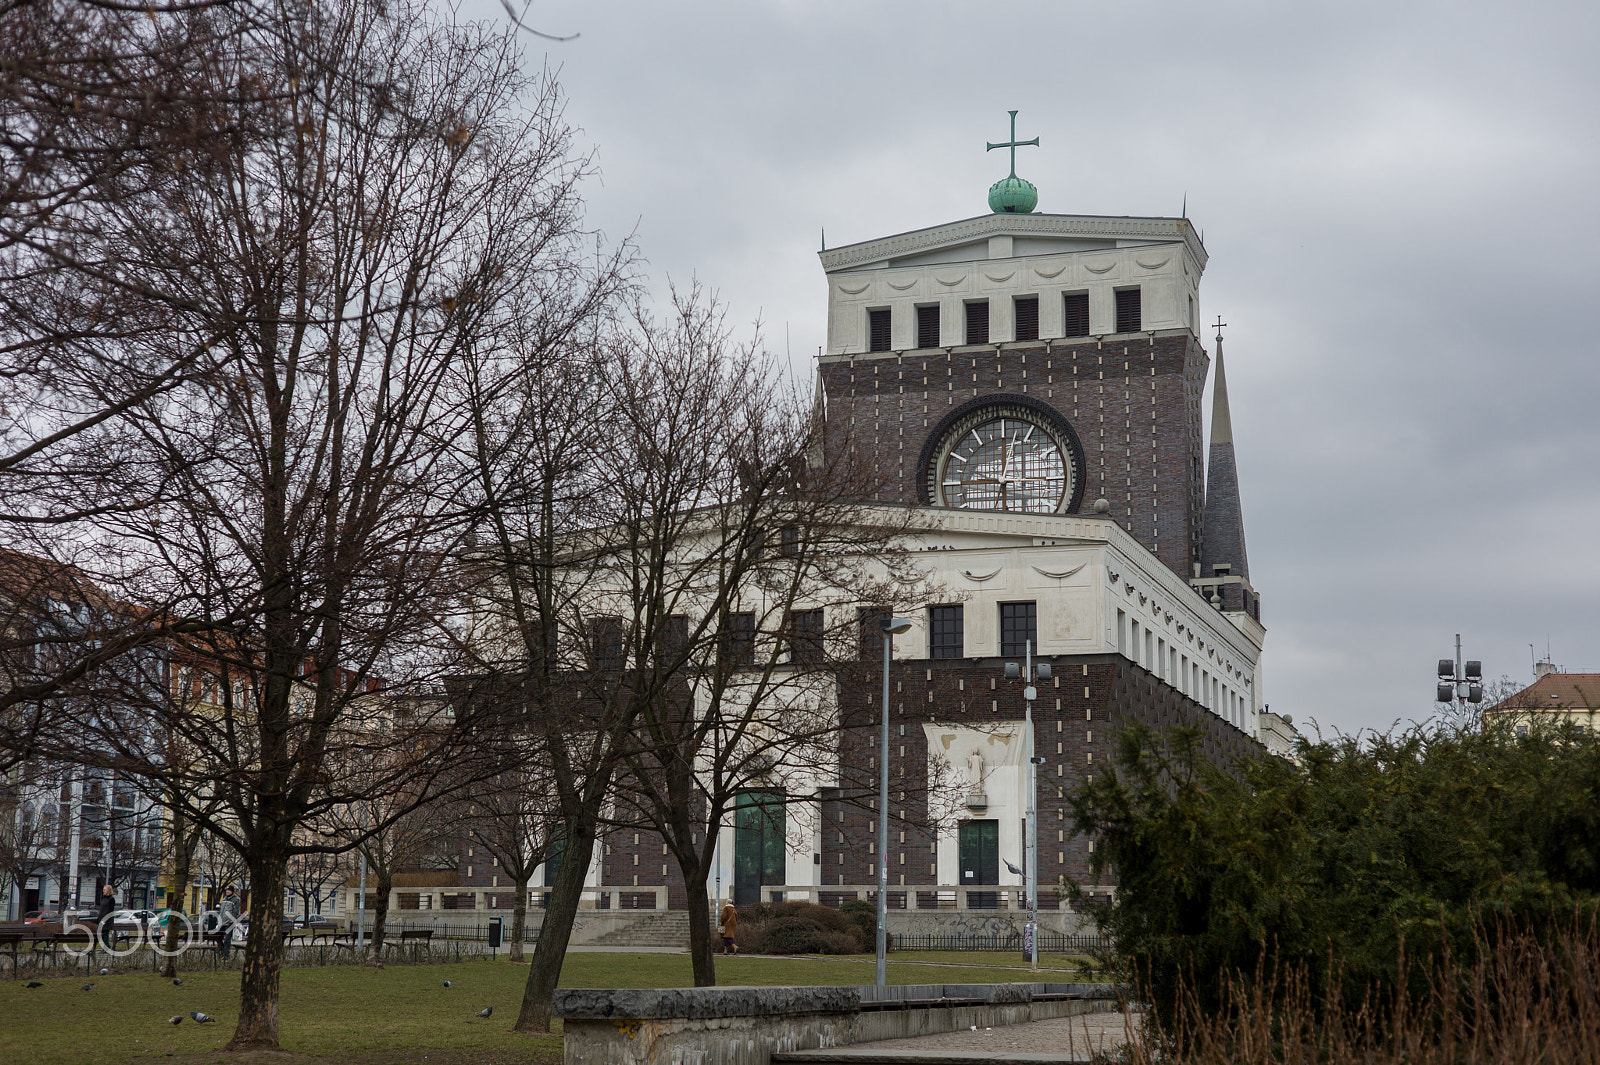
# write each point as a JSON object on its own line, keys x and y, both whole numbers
{"x": 1061, "y": 1039}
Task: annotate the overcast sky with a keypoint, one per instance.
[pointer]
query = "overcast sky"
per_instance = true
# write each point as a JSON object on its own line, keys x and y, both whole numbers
{"x": 1400, "y": 202}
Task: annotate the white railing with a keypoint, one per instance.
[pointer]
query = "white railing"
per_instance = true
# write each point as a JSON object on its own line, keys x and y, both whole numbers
{"x": 979, "y": 897}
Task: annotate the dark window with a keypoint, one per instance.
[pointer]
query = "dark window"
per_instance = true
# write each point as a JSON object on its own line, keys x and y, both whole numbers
{"x": 1130, "y": 319}
{"x": 606, "y": 634}
{"x": 1018, "y": 626}
{"x": 945, "y": 632}
{"x": 805, "y": 637}
{"x": 739, "y": 639}
{"x": 1076, "y": 305}
{"x": 675, "y": 635}
{"x": 870, "y": 621}
{"x": 978, "y": 322}
{"x": 789, "y": 541}
{"x": 1027, "y": 317}
{"x": 928, "y": 327}
{"x": 878, "y": 330}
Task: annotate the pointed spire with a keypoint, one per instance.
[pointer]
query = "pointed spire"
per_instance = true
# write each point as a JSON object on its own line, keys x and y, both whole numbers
{"x": 1222, "y": 526}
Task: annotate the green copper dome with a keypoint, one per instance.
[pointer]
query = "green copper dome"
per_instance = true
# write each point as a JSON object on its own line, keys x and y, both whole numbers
{"x": 1012, "y": 195}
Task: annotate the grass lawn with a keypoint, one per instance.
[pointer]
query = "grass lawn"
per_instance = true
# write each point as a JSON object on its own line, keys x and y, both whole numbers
{"x": 401, "y": 1014}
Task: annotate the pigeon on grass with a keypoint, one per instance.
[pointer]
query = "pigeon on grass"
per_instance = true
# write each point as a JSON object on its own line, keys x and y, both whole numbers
{"x": 178, "y": 1019}
{"x": 447, "y": 983}
{"x": 33, "y": 984}
{"x": 486, "y": 1011}
{"x": 177, "y": 981}
{"x": 201, "y": 1018}
{"x": 89, "y": 986}
{"x": 105, "y": 972}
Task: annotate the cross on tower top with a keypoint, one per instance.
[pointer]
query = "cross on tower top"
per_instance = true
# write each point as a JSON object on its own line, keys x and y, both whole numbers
{"x": 1013, "y": 144}
{"x": 1220, "y": 324}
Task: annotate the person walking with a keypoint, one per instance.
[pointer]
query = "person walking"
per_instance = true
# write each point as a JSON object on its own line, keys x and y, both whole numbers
{"x": 228, "y": 909}
{"x": 102, "y": 917}
{"x": 728, "y": 926}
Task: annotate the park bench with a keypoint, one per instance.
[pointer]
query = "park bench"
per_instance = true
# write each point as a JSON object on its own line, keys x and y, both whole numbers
{"x": 15, "y": 938}
{"x": 410, "y": 935}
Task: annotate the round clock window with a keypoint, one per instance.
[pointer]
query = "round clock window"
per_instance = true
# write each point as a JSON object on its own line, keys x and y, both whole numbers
{"x": 1005, "y": 456}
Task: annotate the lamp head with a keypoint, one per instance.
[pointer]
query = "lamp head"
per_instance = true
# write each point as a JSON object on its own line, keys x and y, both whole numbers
{"x": 895, "y": 626}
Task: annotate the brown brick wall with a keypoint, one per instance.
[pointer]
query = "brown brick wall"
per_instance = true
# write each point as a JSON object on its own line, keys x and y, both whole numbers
{"x": 1075, "y": 719}
{"x": 1134, "y": 402}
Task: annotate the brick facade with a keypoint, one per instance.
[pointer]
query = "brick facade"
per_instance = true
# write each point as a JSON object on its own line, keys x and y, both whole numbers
{"x": 1076, "y": 719}
{"x": 1133, "y": 400}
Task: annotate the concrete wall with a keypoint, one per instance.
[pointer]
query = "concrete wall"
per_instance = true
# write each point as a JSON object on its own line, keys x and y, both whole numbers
{"x": 747, "y": 1025}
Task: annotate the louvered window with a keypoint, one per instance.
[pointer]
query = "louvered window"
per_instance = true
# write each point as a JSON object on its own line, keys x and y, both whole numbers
{"x": 945, "y": 632}
{"x": 878, "y": 330}
{"x": 1027, "y": 308}
{"x": 978, "y": 322}
{"x": 928, "y": 327}
{"x": 1076, "y": 306}
{"x": 1129, "y": 317}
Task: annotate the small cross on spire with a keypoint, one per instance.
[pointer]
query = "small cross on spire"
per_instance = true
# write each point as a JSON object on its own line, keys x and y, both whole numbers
{"x": 1220, "y": 324}
{"x": 1013, "y": 144}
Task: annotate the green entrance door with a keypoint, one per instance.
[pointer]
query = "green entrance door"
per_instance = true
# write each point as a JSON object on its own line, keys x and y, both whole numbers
{"x": 758, "y": 843}
{"x": 979, "y": 851}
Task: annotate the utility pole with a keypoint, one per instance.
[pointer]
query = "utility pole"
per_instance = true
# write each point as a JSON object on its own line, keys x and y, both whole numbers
{"x": 1029, "y": 672}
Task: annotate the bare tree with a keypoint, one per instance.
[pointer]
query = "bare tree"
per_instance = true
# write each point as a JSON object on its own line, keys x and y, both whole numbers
{"x": 784, "y": 562}
{"x": 355, "y": 228}
{"x": 514, "y": 819}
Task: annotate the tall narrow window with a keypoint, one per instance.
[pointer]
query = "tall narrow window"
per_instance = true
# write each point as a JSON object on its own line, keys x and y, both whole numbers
{"x": 946, "y": 632}
{"x": 805, "y": 637}
{"x": 868, "y": 619}
{"x": 1130, "y": 319}
{"x": 928, "y": 326}
{"x": 1122, "y": 632}
{"x": 878, "y": 329}
{"x": 1076, "y": 316}
{"x": 1027, "y": 310}
{"x": 1018, "y": 628}
{"x": 978, "y": 322}
{"x": 606, "y": 636}
{"x": 789, "y": 541}
{"x": 739, "y": 639}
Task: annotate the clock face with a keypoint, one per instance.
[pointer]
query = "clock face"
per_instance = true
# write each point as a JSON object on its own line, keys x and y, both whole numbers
{"x": 1004, "y": 463}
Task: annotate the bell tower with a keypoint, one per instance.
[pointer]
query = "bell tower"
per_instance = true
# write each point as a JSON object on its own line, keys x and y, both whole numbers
{"x": 1023, "y": 359}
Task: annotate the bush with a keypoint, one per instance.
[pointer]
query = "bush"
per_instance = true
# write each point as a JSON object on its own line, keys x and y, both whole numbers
{"x": 805, "y": 928}
{"x": 1395, "y": 844}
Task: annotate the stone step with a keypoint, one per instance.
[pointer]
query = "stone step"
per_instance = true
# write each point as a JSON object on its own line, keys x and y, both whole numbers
{"x": 663, "y": 929}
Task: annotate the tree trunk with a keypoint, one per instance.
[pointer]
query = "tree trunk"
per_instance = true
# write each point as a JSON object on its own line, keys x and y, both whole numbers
{"x": 702, "y": 936}
{"x": 263, "y": 953}
{"x": 380, "y": 917}
{"x": 519, "y": 919}
{"x": 551, "y": 948}
{"x": 183, "y": 843}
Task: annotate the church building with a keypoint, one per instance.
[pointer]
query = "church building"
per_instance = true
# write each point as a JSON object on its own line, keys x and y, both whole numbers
{"x": 1030, "y": 386}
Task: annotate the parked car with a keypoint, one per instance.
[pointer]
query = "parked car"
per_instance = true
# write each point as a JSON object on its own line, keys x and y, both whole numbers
{"x": 316, "y": 921}
{"x": 41, "y": 916}
{"x": 132, "y": 918}
{"x": 241, "y": 928}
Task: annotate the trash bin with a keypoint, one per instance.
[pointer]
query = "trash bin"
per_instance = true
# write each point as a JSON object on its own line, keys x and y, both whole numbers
{"x": 496, "y": 924}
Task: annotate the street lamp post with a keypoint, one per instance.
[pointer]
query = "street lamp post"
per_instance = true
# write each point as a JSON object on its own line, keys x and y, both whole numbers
{"x": 1029, "y": 672}
{"x": 1460, "y": 681}
{"x": 891, "y": 627}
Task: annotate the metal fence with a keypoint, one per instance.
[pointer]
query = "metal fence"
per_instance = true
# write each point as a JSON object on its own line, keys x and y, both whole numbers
{"x": 1049, "y": 942}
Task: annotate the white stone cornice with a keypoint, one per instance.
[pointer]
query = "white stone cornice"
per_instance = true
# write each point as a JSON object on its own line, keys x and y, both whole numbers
{"x": 1104, "y": 227}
